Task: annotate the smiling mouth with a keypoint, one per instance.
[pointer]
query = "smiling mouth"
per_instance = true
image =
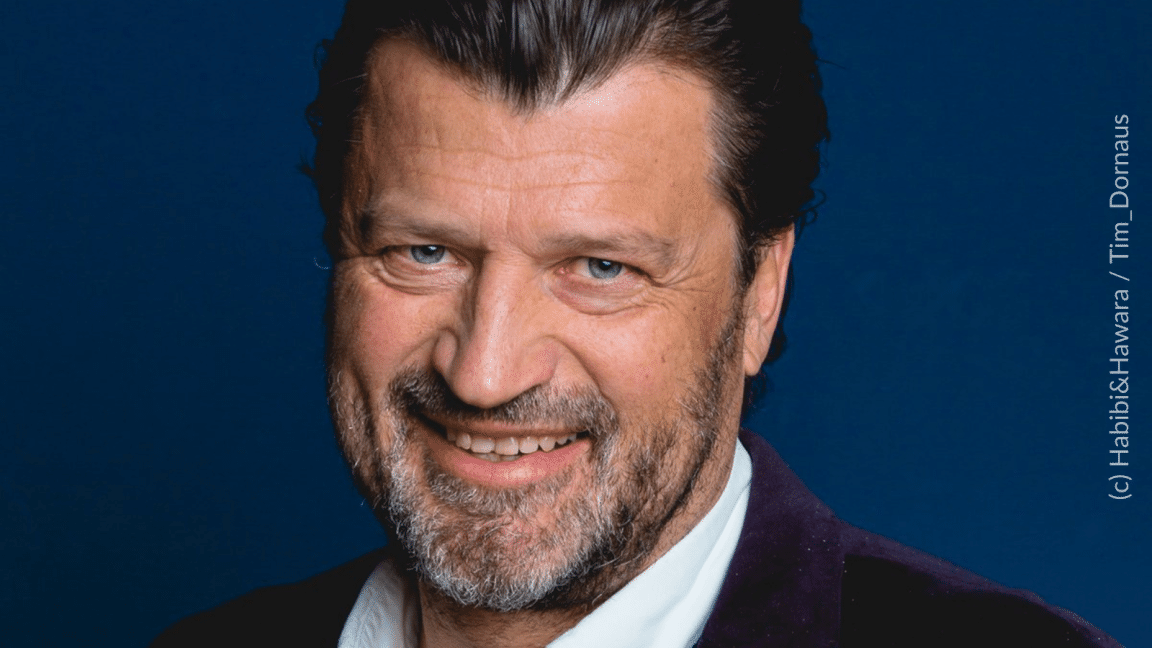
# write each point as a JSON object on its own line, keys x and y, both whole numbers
{"x": 507, "y": 448}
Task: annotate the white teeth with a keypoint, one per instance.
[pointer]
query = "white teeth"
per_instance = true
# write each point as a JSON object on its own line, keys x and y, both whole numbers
{"x": 506, "y": 448}
{"x": 482, "y": 445}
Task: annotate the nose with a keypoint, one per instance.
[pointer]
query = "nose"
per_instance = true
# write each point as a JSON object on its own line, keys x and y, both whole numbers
{"x": 501, "y": 345}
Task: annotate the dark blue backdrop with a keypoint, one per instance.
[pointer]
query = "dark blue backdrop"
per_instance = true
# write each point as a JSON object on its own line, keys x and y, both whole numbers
{"x": 166, "y": 442}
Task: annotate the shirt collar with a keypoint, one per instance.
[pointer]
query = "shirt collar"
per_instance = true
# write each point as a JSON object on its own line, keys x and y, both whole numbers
{"x": 669, "y": 603}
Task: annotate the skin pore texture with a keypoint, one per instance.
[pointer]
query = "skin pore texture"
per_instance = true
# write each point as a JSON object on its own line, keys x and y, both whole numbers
{"x": 538, "y": 343}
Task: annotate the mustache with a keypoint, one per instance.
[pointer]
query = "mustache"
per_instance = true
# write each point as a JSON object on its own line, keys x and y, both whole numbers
{"x": 423, "y": 393}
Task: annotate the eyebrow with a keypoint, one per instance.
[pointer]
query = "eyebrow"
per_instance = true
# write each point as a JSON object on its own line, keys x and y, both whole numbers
{"x": 374, "y": 220}
{"x": 661, "y": 251}
{"x": 388, "y": 219}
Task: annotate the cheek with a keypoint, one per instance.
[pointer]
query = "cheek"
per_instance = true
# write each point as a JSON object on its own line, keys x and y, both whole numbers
{"x": 643, "y": 366}
{"x": 377, "y": 330}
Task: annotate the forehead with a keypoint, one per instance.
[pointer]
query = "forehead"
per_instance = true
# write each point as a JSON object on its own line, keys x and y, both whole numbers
{"x": 639, "y": 142}
{"x": 402, "y": 81}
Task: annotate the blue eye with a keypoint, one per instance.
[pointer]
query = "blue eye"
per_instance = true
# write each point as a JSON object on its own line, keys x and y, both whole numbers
{"x": 427, "y": 253}
{"x": 604, "y": 269}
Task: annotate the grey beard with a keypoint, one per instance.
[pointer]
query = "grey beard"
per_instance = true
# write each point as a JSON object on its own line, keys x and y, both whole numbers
{"x": 479, "y": 547}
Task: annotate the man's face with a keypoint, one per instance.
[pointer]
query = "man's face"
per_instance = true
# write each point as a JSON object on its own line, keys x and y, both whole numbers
{"x": 536, "y": 344}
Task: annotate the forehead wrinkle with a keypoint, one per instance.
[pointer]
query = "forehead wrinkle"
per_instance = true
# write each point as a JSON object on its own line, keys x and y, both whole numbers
{"x": 569, "y": 169}
{"x": 563, "y": 153}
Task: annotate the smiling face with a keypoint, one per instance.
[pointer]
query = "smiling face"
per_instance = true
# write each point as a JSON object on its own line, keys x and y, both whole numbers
{"x": 537, "y": 340}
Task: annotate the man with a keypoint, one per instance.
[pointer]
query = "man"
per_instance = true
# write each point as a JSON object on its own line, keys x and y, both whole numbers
{"x": 561, "y": 233}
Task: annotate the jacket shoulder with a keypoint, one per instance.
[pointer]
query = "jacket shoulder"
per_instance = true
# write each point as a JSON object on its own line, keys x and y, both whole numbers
{"x": 311, "y": 612}
{"x": 894, "y": 595}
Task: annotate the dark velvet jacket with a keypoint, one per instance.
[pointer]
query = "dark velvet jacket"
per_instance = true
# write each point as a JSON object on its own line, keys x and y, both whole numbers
{"x": 799, "y": 577}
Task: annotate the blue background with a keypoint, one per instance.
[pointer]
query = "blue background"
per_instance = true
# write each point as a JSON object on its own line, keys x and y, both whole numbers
{"x": 166, "y": 443}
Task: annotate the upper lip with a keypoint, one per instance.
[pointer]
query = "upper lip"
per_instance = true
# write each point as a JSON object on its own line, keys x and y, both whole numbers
{"x": 497, "y": 429}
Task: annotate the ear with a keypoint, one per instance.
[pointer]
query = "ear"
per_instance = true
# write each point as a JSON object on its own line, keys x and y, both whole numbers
{"x": 763, "y": 300}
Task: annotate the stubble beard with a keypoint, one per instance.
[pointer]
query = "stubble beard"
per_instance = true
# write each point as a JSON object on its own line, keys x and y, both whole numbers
{"x": 541, "y": 546}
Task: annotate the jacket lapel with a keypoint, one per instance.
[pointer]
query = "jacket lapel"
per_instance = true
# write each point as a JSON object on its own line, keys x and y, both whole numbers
{"x": 783, "y": 584}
